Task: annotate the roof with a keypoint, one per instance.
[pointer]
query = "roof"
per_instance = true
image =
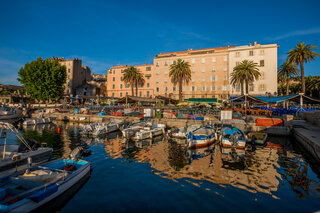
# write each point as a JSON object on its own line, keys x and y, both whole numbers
{"x": 191, "y": 50}
{"x": 249, "y": 98}
{"x": 203, "y": 100}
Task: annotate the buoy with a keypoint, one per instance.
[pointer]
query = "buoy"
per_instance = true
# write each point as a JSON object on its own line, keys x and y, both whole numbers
{"x": 59, "y": 130}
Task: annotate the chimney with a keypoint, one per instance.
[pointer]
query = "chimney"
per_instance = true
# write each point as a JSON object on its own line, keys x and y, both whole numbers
{"x": 255, "y": 43}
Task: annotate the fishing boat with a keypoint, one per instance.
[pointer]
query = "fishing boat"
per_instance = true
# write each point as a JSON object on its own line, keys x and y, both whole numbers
{"x": 129, "y": 131}
{"x": 258, "y": 138}
{"x": 15, "y": 156}
{"x": 29, "y": 189}
{"x": 103, "y": 128}
{"x": 35, "y": 121}
{"x": 233, "y": 137}
{"x": 150, "y": 132}
{"x": 201, "y": 137}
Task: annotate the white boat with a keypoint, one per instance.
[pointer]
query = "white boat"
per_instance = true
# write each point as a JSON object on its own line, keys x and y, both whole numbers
{"x": 233, "y": 137}
{"x": 129, "y": 131}
{"x": 201, "y": 137}
{"x": 103, "y": 128}
{"x": 10, "y": 114}
{"x": 35, "y": 121}
{"x": 14, "y": 156}
{"x": 29, "y": 189}
{"x": 150, "y": 132}
{"x": 180, "y": 133}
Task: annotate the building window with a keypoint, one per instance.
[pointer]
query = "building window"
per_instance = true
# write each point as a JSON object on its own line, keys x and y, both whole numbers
{"x": 148, "y": 84}
{"x": 204, "y": 88}
{"x": 126, "y": 93}
{"x": 237, "y": 54}
{"x": 214, "y": 78}
{"x": 251, "y": 87}
{"x": 121, "y": 70}
{"x": 203, "y": 70}
{"x": 251, "y": 53}
{"x": 120, "y": 94}
{"x": 113, "y": 94}
{"x": 166, "y": 89}
{"x": 262, "y": 87}
{"x": 140, "y": 94}
{"x": 114, "y": 71}
{"x": 261, "y": 52}
{"x": 148, "y": 68}
{"x": 174, "y": 89}
{"x": 213, "y": 69}
{"x": 157, "y": 89}
{"x": 121, "y": 78}
{"x": 183, "y": 89}
{"x": 165, "y": 71}
{"x": 165, "y": 80}
{"x": 165, "y": 63}
{"x": 174, "y": 62}
{"x": 68, "y": 70}
{"x": 113, "y": 86}
{"x": 225, "y": 77}
{"x": 193, "y": 70}
{"x": 261, "y": 76}
{"x": 213, "y": 88}
{"x": 157, "y": 72}
{"x": 238, "y": 88}
{"x": 193, "y": 79}
{"x": 261, "y": 63}
{"x": 127, "y": 85}
{"x": 157, "y": 80}
{"x": 193, "y": 88}
{"x": 120, "y": 86}
{"x": 224, "y": 88}
{"x": 148, "y": 94}
{"x": 213, "y": 59}
{"x": 225, "y": 68}
{"x": 157, "y": 64}
{"x": 114, "y": 79}
{"x": 141, "y": 85}
{"x": 203, "y": 60}
{"x": 225, "y": 58}
{"x": 237, "y": 63}
{"x": 203, "y": 79}
{"x": 193, "y": 61}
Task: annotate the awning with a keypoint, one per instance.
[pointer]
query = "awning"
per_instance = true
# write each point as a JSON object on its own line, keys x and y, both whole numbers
{"x": 250, "y": 99}
{"x": 203, "y": 100}
{"x": 133, "y": 99}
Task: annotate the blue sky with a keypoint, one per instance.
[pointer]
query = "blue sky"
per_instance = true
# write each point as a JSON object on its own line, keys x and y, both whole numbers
{"x": 106, "y": 33}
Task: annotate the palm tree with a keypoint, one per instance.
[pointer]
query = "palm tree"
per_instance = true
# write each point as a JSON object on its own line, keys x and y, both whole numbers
{"x": 246, "y": 72}
{"x": 303, "y": 53}
{"x": 129, "y": 77}
{"x": 180, "y": 72}
{"x": 286, "y": 72}
{"x": 139, "y": 79}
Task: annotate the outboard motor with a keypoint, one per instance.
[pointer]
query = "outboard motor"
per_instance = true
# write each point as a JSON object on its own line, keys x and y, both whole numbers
{"x": 75, "y": 154}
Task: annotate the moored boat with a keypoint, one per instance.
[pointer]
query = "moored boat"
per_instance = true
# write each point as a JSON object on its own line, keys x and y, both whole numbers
{"x": 129, "y": 131}
{"x": 29, "y": 189}
{"x": 201, "y": 137}
{"x": 258, "y": 138}
{"x": 35, "y": 121}
{"x": 233, "y": 137}
{"x": 150, "y": 132}
{"x": 10, "y": 114}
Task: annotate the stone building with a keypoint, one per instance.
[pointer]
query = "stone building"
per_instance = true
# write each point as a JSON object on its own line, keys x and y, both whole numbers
{"x": 117, "y": 88}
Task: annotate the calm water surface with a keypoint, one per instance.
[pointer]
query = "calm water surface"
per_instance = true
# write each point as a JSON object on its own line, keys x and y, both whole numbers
{"x": 159, "y": 176}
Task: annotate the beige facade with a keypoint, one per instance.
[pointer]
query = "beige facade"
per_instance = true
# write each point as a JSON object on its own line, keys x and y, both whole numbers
{"x": 77, "y": 75}
{"x": 209, "y": 71}
{"x": 117, "y": 88}
{"x": 266, "y": 58}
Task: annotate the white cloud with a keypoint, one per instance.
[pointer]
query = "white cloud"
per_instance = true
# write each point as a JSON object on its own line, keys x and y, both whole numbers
{"x": 296, "y": 33}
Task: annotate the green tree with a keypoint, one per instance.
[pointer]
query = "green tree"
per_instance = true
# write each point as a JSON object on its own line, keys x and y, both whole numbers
{"x": 303, "y": 53}
{"x": 43, "y": 79}
{"x": 139, "y": 79}
{"x": 313, "y": 86}
{"x": 286, "y": 72}
{"x": 129, "y": 77}
{"x": 180, "y": 72}
{"x": 246, "y": 72}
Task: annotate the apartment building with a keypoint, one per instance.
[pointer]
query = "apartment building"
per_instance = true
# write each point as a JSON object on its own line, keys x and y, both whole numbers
{"x": 77, "y": 75}
{"x": 116, "y": 87}
{"x": 209, "y": 71}
{"x": 266, "y": 58}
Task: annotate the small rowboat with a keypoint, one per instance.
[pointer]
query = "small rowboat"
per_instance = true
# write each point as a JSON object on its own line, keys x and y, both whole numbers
{"x": 258, "y": 138}
{"x": 29, "y": 189}
{"x": 233, "y": 137}
{"x": 201, "y": 137}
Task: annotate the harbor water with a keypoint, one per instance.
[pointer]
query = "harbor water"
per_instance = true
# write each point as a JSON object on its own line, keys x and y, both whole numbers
{"x": 161, "y": 175}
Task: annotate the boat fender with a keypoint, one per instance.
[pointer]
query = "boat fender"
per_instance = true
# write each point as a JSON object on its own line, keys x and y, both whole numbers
{"x": 69, "y": 168}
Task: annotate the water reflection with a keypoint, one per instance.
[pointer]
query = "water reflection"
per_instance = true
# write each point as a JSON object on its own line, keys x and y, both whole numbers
{"x": 255, "y": 171}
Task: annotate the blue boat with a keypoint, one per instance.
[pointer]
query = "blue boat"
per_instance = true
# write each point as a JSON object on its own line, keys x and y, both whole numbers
{"x": 233, "y": 137}
{"x": 201, "y": 137}
{"x": 29, "y": 189}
